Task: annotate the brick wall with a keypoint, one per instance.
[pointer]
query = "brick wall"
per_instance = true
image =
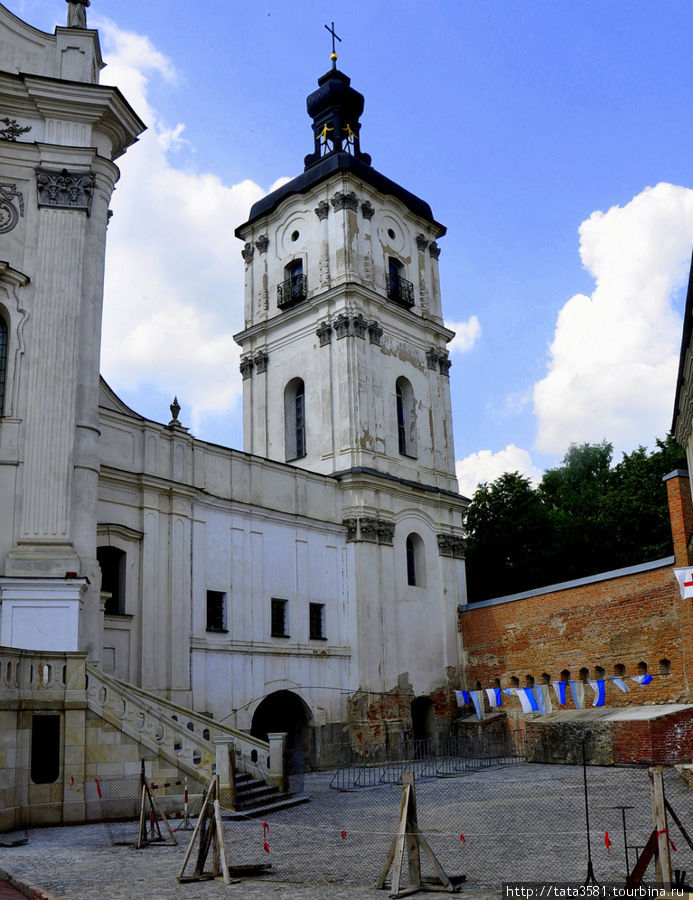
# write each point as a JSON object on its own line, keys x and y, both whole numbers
{"x": 627, "y": 620}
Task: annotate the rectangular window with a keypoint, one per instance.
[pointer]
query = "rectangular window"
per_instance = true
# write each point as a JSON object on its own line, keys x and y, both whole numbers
{"x": 279, "y": 618}
{"x": 317, "y": 621}
{"x": 45, "y": 749}
{"x": 216, "y": 611}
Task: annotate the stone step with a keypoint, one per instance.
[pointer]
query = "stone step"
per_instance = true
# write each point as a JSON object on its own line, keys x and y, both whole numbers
{"x": 284, "y": 801}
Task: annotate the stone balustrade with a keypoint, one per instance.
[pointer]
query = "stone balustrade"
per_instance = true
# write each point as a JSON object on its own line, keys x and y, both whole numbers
{"x": 25, "y": 672}
{"x": 183, "y": 737}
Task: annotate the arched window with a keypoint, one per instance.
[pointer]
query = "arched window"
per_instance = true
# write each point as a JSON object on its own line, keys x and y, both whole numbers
{"x": 529, "y": 680}
{"x": 664, "y": 667}
{"x": 584, "y": 674}
{"x": 545, "y": 678}
{"x": 415, "y": 560}
{"x": 3, "y": 361}
{"x": 619, "y": 670}
{"x": 565, "y": 675}
{"x": 406, "y": 417}
{"x": 642, "y": 668}
{"x": 295, "y": 419}
{"x": 599, "y": 672}
{"x": 112, "y": 563}
{"x": 515, "y": 681}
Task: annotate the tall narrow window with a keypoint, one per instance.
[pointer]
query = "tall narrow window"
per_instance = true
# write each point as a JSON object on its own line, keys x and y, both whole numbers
{"x": 411, "y": 562}
{"x": 300, "y": 420}
{"x": 216, "y": 611}
{"x": 416, "y": 567}
{"x": 317, "y": 621}
{"x": 279, "y": 624}
{"x": 295, "y": 419}
{"x": 3, "y": 362}
{"x": 406, "y": 417}
{"x": 401, "y": 432}
{"x": 112, "y": 563}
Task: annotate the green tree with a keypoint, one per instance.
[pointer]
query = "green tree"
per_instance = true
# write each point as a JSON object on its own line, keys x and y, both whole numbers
{"x": 585, "y": 517}
{"x": 507, "y": 531}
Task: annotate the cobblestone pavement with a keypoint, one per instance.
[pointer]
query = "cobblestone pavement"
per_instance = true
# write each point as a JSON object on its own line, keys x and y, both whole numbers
{"x": 522, "y": 822}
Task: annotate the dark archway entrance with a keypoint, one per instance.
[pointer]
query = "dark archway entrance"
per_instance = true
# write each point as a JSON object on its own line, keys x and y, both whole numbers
{"x": 423, "y": 720}
{"x": 285, "y": 711}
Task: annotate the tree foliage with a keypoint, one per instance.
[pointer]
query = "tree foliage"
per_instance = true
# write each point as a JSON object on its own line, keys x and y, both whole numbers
{"x": 586, "y": 516}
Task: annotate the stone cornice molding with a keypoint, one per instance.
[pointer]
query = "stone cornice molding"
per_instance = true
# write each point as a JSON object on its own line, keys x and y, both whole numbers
{"x": 101, "y": 106}
{"x": 12, "y": 276}
{"x": 115, "y": 529}
{"x": 399, "y": 326}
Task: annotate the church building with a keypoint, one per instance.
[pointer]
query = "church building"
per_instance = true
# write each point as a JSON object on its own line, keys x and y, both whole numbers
{"x": 308, "y": 584}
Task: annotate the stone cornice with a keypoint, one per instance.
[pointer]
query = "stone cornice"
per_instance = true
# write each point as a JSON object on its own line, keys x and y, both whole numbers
{"x": 374, "y": 305}
{"x": 99, "y": 105}
{"x": 12, "y": 276}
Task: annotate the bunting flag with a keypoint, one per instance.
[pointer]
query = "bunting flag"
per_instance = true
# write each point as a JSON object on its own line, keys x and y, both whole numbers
{"x": 620, "y": 684}
{"x": 478, "y": 701}
{"x": 599, "y": 692}
{"x": 577, "y": 689}
{"x": 539, "y": 696}
{"x": 508, "y": 691}
{"x": 462, "y": 697}
{"x": 494, "y": 696}
{"x": 559, "y": 687}
{"x": 641, "y": 679}
{"x": 545, "y": 691}
{"x": 527, "y": 699}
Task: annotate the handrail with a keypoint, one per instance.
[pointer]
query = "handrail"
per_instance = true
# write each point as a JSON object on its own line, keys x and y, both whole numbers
{"x": 251, "y": 753}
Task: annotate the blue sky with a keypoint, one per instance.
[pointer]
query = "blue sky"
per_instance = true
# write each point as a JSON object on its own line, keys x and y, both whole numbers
{"x": 517, "y": 122}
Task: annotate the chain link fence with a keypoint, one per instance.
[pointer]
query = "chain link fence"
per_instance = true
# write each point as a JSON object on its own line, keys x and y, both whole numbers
{"x": 519, "y": 822}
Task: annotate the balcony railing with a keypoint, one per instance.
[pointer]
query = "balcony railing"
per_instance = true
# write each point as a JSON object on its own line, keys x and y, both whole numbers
{"x": 292, "y": 291}
{"x": 400, "y": 290}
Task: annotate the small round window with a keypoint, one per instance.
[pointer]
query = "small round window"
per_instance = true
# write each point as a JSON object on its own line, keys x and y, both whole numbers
{"x": 391, "y": 233}
{"x": 294, "y": 235}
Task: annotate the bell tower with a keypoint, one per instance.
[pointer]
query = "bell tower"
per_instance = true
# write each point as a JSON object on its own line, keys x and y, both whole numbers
{"x": 344, "y": 358}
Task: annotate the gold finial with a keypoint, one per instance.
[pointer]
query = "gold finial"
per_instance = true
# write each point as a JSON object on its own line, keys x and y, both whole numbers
{"x": 333, "y": 55}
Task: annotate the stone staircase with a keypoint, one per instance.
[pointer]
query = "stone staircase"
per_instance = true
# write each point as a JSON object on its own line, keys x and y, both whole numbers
{"x": 255, "y": 798}
{"x": 192, "y": 744}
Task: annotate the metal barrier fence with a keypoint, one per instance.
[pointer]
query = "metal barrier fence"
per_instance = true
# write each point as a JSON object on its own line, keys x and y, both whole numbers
{"x": 370, "y": 765}
{"x": 493, "y": 824}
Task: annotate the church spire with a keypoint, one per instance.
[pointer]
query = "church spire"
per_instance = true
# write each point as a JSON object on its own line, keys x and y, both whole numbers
{"x": 335, "y": 108}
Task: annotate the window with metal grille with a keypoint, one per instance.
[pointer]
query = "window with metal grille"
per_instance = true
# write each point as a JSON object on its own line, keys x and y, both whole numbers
{"x": 317, "y": 621}
{"x": 279, "y": 625}
{"x": 216, "y": 611}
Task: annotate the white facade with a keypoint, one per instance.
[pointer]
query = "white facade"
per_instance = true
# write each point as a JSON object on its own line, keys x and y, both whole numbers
{"x": 326, "y": 559}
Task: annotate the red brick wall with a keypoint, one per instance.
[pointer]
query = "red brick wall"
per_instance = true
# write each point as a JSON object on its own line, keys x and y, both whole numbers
{"x": 680, "y": 516}
{"x": 626, "y": 620}
{"x": 666, "y": 740}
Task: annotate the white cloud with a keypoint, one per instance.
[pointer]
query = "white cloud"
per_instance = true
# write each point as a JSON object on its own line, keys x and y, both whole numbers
{"x": 466, "y": 334}
{"x": 614, "y": 355}
{"x": 174, "y": 274}
{"x": 487, "y": 466}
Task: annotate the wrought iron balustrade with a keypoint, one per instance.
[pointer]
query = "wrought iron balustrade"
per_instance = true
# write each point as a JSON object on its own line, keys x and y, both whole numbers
{"x": 291, "y": 291}
{"x": 400, "y": 290}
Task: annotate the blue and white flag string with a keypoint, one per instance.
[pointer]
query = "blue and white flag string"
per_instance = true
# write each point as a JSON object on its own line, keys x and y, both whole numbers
{"x": 538, "y": 699}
